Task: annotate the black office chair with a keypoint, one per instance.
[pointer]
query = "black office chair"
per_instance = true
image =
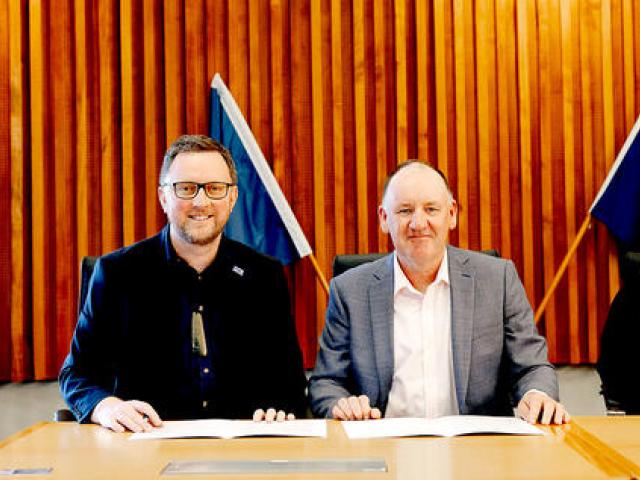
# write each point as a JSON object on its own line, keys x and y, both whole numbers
{"x": 619, "y": 362}
{"x": 342, "y": 263}
{"x": 86, "y": 270}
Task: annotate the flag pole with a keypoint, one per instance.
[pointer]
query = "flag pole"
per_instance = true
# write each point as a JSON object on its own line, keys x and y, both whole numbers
{"x": 563, "y": 267}
{"x": 319, "y": 274}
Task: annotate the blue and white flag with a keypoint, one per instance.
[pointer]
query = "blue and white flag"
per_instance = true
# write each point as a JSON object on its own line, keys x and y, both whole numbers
{"x": 617, "y": 204}
{"x": 262, "y": 217}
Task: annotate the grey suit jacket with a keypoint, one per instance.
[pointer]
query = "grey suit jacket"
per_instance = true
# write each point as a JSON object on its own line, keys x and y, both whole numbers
{"x": 497, "y": 353}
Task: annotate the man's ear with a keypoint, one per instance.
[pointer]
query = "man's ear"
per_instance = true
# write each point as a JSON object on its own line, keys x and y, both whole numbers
{"x": 162, "y": 198}
{"x": 382, "y": 217}
{"x": 233, "y": 197}
{"x": 453, "y": 214}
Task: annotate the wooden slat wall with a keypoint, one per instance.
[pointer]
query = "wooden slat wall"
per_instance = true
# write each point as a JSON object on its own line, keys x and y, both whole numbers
{"x": 523, "y": 104}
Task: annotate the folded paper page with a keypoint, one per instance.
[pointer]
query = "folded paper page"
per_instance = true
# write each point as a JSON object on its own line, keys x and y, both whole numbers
{"x": 235, "y": 428}
{"x": 442, "y": 427}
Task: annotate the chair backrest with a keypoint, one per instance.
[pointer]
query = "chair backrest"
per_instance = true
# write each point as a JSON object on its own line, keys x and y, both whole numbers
{"x": 86, "y": 270}
{"x": 630, "y": 267}
{"x": 342, "y": 263}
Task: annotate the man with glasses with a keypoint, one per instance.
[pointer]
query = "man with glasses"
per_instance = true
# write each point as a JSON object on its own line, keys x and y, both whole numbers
{"x": 187, "y": 323}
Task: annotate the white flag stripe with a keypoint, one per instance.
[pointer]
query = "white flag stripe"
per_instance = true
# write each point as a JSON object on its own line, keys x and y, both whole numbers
{"x": 614, "y": 168}
{"x": 262, "y": 167}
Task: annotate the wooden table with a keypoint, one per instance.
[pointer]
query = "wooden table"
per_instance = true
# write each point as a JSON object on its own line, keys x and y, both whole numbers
{"x": 618, "y": 437}
{"x": 92, "y": 452}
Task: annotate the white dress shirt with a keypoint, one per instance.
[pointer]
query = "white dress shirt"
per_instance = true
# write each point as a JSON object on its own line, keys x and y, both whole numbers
{"x": 423, "y": 380}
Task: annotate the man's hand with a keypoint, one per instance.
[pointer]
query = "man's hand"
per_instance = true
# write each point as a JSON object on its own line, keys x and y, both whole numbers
{"x": 355, "y": 408}
{"x": 538, "y": 407}
{"x": 270, "y": 415}
{"x": 119, "y": 415}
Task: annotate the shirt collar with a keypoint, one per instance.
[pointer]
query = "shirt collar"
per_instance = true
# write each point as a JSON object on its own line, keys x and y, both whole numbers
{"x": 400, "y": 280}
{"x": 172, "y": 258}
{"x": 169, "y": 252}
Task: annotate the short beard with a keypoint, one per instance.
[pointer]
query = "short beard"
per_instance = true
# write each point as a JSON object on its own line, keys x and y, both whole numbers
{"x": 201, "y": 241}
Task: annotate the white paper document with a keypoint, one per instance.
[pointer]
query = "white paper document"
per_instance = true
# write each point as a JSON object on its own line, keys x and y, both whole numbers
{"x": 235, "y": 428}
{"x": 442, "y": 427}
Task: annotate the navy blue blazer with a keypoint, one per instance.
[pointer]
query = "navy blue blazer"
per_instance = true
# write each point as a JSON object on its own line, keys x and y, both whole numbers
{"x": 133, "y": 336}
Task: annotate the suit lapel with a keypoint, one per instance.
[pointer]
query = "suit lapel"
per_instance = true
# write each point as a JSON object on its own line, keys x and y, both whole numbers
{"x": 462, "y": 278}
{"x": 381, "y": 314}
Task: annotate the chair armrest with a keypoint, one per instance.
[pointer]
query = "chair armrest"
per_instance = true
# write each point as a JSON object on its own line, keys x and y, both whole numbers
{"x": 613, "y": 406}
{"x": 63, "y": 415}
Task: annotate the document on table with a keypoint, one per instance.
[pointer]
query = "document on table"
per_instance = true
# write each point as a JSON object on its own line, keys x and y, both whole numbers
{"x": 442, "y": 426}
{"x": 235, "y": 428}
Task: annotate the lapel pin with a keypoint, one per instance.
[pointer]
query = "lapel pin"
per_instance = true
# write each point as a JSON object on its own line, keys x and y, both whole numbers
{"x": 237, "y": 270}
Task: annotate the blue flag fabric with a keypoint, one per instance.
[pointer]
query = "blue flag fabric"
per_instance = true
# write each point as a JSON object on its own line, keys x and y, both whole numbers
{"x": 618, "y": 202}
{"x": 261, "y": 218}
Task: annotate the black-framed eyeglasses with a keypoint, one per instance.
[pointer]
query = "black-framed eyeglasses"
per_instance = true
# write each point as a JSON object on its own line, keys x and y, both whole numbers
{"x": 190, "y": 190}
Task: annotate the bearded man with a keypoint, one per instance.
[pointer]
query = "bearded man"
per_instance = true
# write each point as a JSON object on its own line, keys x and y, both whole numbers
{"x": 188, "y": 323}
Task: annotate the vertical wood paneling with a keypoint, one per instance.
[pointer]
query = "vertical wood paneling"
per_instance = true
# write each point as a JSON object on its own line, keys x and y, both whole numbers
{"x": 154, "y": 116}
{"x": 464, "y": 116}
{"x": 110, "y": 127}
{"x": 489, "y": 206}
{"x": 280, "y": 94}
{"x": 526, "y": 29}
{"x": 217, "y": 39}
{"x": 380, "y": 60}
{"x": 547, "y": 133}
{"x": 338, "y": 124}
{"x": 6, "y": 244}
{"x": 63, "y": 131}
{"x": 302, "y": 162}
{"x": 507, "y": 131}
{"x": 446, "y": 102}
{"x": 636, "y": 50}
{"x": 174, "y": 68}
{"x": 349, "y": 213}
{"x": 133, "y": 151}
{"x": 196, "y": 81}
{"x": 468, "y": 178}
{"x": 613, "y": 70}
{"x": 259, "y": 78}
{"x": 628, "y": 54}
{"x": 569, "y": 120}
{"x": 280, "y": 107}
{"x": 523, "y": 104}
{"x": 41, "y": 184}
{"x": 600, "y": 139}
{"x": 402, "y": 124}
{"x": 238, "y": 53}
{"x": 318, "y": 138}
{"x": 15, "y": 273}
{"x": 359, "y": 78}
{"x": 408, "y": 71}
{"x": 87, "y": 144}
{"x": 588, "y": 118}
{"x": 425, "y": 121}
